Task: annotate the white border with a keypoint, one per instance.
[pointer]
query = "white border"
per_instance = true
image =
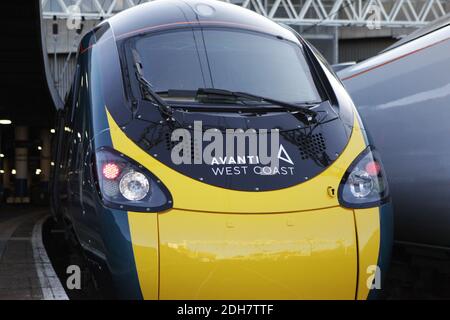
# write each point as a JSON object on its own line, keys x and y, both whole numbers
{"x": 51, "y": 287}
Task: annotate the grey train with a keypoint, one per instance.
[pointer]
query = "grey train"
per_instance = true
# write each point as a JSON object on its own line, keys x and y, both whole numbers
{"x": 403, "y": 96}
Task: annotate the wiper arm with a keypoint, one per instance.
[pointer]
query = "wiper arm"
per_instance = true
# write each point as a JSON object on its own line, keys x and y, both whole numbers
{"x": 151, "y": 95}
{"x": 211, "y": 93}
{"x": 148, "y": 92}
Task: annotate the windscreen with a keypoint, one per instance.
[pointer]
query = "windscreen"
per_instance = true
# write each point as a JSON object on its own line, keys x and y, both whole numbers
{"x": 229, "y": 59}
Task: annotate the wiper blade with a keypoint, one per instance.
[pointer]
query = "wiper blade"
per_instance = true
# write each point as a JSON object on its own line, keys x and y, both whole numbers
{"x": 147, "y": 90}
{"x": 178, "y": 93}
{"x": 211, "y": 93}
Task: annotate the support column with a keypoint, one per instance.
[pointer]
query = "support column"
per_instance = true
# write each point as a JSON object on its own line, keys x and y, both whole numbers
{"x": 21, "y": 165}
{"x": 336, "y": 46}
{"x": 6, "y": 179}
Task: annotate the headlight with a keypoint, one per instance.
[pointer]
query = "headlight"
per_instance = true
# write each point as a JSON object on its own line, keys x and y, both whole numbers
{"x": 361, "y": 183}
{"x": 364, "y": 184}
{"x": 124, "y": 184}
{"x": 134, "y": 186}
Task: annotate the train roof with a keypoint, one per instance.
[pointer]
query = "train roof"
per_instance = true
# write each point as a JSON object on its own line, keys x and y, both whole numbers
{"x": 170, "y": 14}
{"x": 436, "y": 25}
{"x": 425, "y": 38}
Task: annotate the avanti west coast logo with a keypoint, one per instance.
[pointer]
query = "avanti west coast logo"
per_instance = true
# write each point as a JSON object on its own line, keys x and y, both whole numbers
{"x": 233, "y": 152}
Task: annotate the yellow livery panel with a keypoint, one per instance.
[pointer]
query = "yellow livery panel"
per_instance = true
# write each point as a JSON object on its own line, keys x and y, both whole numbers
{"x": 368, "y": 233}
{"x": 300, "y": 255}
{"x": 145, "y": 242}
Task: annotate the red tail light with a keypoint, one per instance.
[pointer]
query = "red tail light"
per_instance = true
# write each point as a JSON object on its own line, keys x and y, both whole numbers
{"x": 373, "y": 168}
{"x": 110, "y": 171}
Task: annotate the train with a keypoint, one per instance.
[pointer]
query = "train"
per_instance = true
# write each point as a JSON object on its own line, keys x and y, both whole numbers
{"x": 403, "y": 96}
{"x": 207, "y": 152}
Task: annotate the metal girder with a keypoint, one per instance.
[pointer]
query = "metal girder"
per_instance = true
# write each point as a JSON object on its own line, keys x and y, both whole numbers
{"x": 383, "y": 13}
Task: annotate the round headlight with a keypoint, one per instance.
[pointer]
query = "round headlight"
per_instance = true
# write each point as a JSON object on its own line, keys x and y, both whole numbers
{"x": 134, "y": 186}
{"x": 361, "y": 183}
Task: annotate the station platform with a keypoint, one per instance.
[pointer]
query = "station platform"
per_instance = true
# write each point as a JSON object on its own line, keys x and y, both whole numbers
{"x": 34, "y": 255}
{"x": 26, "y": 272}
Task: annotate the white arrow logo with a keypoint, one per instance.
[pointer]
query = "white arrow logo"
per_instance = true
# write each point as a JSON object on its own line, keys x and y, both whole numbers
{"x": 283, "y": 155}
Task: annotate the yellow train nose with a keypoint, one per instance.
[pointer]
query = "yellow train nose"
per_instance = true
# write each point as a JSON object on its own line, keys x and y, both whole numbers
{"x": 292, "y": 243}
{"x": 298, "y": 255}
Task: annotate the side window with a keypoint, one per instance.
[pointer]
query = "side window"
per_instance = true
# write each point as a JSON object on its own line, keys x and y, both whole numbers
{"x": 76, "y": 91}
{"x": 58, "y": 147}
{"x": 81, "y": 103}
{"x": 77, "y": 123}
{"x": 64, "y": 126}
{"x": 323, "y": 60}
{"x": 71, "y": 117}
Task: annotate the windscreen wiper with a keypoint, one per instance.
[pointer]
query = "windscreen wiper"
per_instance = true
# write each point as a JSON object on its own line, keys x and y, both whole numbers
{"x": 220, "y": 94}
{"x": 147, "y": 89}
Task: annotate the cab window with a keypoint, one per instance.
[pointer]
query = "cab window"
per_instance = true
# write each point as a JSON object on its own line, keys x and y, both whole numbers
{"x": 230, "y": 59}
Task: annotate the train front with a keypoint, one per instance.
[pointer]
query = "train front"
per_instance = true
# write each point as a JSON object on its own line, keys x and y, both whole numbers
{"x": 230, "y": 162}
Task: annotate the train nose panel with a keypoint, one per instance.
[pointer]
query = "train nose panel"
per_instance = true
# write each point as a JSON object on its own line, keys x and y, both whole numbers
{"x": 301, "y": 255}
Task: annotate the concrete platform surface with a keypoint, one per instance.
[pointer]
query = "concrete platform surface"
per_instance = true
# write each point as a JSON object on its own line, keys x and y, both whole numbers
{"x": 25, "y": 270}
